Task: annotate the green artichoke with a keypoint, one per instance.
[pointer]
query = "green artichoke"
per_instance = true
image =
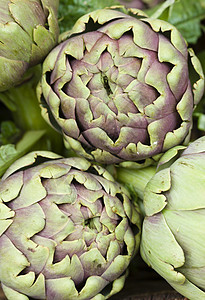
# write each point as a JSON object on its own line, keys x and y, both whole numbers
{"x": 173, "y": 240}
{"x": 118, "y": 87}
{"x": 28, "y": 31}
{"x": 67, "y": 229}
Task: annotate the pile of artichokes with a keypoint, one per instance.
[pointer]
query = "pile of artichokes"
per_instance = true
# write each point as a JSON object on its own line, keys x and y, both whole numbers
{"x": 101, "y": 152}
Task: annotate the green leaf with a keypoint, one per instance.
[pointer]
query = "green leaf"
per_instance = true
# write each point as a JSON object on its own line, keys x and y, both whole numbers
{"x": 9, "y": 153}
{"x": 9, "y": 133}
{"x": 186, "y": 15}
{"x": 71, "y": 10}
{"x": 161, "y": 11}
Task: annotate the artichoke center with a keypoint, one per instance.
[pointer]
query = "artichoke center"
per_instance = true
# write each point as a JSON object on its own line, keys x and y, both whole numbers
{"x": 106, "y": 85}
{"x": 90, "y": 223}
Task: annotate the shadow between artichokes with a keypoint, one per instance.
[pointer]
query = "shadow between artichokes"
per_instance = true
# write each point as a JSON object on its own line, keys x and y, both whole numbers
{"x": 67, "y": 229}
{"x": 173, "y": 239}
{"x": 118, "y": 87}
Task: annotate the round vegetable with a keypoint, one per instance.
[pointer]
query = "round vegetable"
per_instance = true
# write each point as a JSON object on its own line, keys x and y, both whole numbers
{"x": 67, "y": 229}
{"x": 28, "y": 31}
{"x": 118, "y": 87}
{"x": 173, "y": 240}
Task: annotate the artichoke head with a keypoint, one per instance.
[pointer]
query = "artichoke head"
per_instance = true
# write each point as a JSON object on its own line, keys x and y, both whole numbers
{"x": 67, "y": 229}
{"x": 28, "y": 31}
{"x": 173, "y": 239}
{"x": 118, "y": 87}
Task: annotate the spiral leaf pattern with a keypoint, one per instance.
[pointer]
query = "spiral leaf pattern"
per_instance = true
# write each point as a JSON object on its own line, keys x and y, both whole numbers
{"x": 118, "y": 87}
{"x": 69, "y": 230}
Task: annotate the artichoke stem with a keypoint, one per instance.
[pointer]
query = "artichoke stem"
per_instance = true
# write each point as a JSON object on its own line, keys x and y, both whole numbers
{"x": 135, "y": 179}
{"x": 26, "y": 111}
{"x": 27, "y": 114}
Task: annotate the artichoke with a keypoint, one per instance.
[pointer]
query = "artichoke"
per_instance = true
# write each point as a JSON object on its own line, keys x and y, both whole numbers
{"x": 28, "y": 31}
{"x": 67, "y": 229}
{"x": 140, "y": 4}
{"x": 118, "y": 87}
{"x": 173, "y": 240}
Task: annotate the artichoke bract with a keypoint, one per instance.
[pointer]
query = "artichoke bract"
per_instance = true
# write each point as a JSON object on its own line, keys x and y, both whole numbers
{"x": 173, "y": 240}
{"x": 28, "y": 31}
{"x": 118, "y": 87}
{"x": 67, "y": 229}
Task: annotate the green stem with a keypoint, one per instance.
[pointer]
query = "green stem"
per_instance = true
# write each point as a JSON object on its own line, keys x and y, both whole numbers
{"x": 23, "y": 103}
{"x": 137, "y": 179}
{"x": 26, "y": 114}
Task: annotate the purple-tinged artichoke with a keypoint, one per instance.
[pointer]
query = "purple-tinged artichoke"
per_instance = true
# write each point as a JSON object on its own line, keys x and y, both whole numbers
{"x": 140, "y": 4}
{"x": 67, "y": 229}
{"x": 28, "y": 31}
{"x": 118, "y": 87}
{"x": 173, "y": 239}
